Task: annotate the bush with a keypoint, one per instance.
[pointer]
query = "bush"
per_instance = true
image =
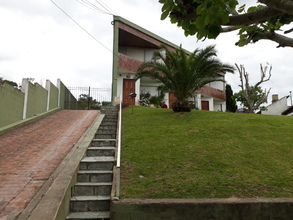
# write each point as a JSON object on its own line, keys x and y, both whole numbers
{"x": 181, "y": 107}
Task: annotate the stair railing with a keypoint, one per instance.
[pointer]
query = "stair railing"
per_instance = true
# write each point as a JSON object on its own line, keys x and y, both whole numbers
{"x": 117, "y": 190}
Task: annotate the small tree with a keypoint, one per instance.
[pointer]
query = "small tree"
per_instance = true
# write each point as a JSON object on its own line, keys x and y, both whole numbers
{"x": 184, "y": 73}
{"x": 252, "y": 97}
{"x": 87, "y": 102}
{"x": 230, "y": 100}
{"x": 2, "y": 81}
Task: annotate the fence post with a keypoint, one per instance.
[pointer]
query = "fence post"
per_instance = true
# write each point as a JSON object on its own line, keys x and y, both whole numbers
{"x": 24, "y": 89}
{"x": 88, "y": 99}
{"x": 48, "y": 87}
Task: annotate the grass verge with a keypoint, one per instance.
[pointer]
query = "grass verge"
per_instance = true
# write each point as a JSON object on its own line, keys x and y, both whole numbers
{"x": 205, "y": 154}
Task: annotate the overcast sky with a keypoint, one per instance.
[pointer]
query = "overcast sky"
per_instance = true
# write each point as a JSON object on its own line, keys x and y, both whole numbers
{"x": 38, "y": 40}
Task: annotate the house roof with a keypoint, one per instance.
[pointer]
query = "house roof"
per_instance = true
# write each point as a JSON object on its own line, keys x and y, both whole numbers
{"x": 133, "y": 35}
{"x": 288, "y": 111}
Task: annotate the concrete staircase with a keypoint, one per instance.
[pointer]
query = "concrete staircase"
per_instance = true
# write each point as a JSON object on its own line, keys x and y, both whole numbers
{"x": 91, "y": 195}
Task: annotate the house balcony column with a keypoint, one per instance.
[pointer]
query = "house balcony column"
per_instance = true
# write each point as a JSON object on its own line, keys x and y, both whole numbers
{"x": 137, "y": 91}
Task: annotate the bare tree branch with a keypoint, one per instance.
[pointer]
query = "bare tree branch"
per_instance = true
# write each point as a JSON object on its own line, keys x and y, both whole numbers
{"x": 244, "y": 85}
{"x": 288, "y": 31}
{"x": 229, "y": 29}
{"x": 263, "y": 72}
{"x": 286, "y": 6}
{"x": 234, "y": 13}
{"x": 282, "y": 40}
{"x": 249, "y": 92}
{"x": 257, "y": 16}
{"x": 282, "y": 10}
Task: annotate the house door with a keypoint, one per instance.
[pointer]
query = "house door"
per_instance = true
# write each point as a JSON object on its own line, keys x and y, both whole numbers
{"x": 172, "y": 99}
{"x": 205, "y": 105}
{"x": 128, "y": 87}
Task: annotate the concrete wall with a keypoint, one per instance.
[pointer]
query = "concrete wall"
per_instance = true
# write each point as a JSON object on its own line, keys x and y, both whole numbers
{"x": 142, "y": 54}
{"x": 202, "y": 209}
{"x": 218, "y": 84}
{"x": 277, "y": 107}
{"x": 11, "y": 104}
{"x": 66, "y": 99}
{"x": 31, "y": 100}
{"x": 53, "y": 91}
{"x": 35, "y": 99}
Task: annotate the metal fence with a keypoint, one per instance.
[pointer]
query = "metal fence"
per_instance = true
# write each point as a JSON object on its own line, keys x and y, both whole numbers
{"x": 100, "y": 95}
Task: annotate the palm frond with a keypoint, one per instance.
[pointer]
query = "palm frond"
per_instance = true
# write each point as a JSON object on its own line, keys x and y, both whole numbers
{"x": 184, "y": 73}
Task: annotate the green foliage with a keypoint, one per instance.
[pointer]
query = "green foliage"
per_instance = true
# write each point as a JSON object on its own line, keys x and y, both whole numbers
{"x": 256, "y": 96}
{"x": 146, "y": 99}
{"x": 181, "y": 106}
{"x": 157, "y": 101}
{"x": 104, "y": 103}
{"x": 210, "y": 15}
{"x": 184, "y": 73}
{"x": 230, "y": 100}
{"x": 87, "y": 102}
{"x": 203, "y": 154}
{"x": 2, "y": 81}
{"x": 207, "y": 18}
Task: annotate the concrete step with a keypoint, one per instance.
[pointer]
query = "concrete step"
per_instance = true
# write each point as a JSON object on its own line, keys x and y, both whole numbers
{"x": 105, "y": 136}
{"x": 112, "y": 123}
{"x": 103, "y": 143}
{"x": 97, "y": 163}
{"x": 110, "y": 118}
{"x": 94, "y": 176}
{"x": 108, "y": 127}
{"x": 89, "y": 203}
{"x": 106, "y": 131}
{"x": 113, "y": 116}
{"x": 92, "y": 189}
{"x": 100, "y": 151}
{"x": 109, "y": 110}
{"x": 110, "y": 113}
{"x": 88, "y": 216}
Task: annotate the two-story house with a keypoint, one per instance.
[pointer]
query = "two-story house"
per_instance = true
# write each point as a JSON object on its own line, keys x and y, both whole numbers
{"x": 134, "y": 45}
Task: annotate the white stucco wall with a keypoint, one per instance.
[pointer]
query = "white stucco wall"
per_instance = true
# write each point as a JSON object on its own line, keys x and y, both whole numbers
{"x": 211, "y": 103}
{"x": 277, "y": 107}
{"x": 119, "y": 86}
{"x": 217, "y": 85}
{"x": 153, "y": 90}
{"x": 220, "y": 106}
{"x": 138, "y": 54}
{"x": 142, "y": 54}
{"x": 148, "y": 54}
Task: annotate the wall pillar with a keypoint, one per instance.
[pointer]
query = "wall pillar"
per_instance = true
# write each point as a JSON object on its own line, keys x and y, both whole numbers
{"x": 24, "y": 89}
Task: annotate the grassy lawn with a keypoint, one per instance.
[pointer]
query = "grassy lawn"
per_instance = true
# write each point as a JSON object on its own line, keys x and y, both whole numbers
{"x": 205, "y": 154}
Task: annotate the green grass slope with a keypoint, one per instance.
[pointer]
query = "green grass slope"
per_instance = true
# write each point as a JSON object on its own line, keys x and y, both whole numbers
{"x": 205, "y": 154}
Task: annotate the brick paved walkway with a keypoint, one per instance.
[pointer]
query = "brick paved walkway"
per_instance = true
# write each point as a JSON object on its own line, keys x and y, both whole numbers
{"x": 29, "y": 155}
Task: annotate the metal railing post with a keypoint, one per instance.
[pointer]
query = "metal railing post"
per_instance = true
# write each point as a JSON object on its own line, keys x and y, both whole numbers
{"x": 119, "y": 149}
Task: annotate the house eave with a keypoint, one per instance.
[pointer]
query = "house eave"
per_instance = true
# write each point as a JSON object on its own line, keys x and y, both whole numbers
{"x": 148, "y": 35}
{"x": 288, "y": 111}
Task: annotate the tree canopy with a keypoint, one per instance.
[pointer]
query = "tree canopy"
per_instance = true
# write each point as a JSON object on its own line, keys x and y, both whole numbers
{"x": 209, "y": 18}
{"x": 253, "y": 96}
{"x": 184, "y": 73}
{"x": 230, "y": 100}
{"x": 2, "y": 81}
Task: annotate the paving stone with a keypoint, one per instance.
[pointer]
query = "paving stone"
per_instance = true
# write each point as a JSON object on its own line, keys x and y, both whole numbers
{"x": 31, "y": 153}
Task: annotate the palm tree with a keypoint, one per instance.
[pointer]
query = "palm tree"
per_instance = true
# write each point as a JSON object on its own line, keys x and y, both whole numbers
{"x": 184, "y": 73}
